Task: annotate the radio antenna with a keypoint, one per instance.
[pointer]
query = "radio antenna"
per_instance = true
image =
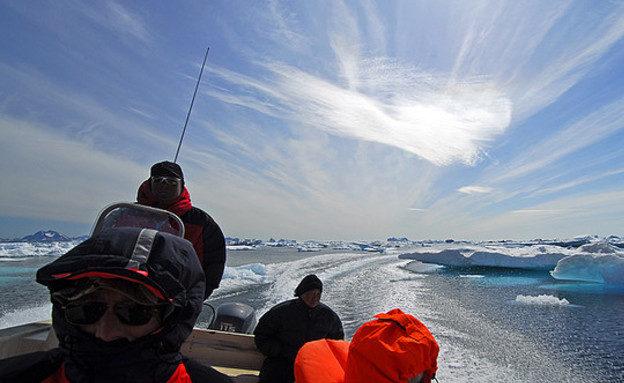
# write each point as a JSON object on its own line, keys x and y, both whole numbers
{"x": 188, "y": 115}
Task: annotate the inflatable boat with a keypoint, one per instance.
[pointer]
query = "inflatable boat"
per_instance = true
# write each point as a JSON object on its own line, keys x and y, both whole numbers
{"x": 232, "y": 353}
{"x": 227, "y": 344}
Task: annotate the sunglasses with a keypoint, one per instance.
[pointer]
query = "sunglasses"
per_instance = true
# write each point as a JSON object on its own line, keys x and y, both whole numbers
{"x": 129, "y": 313}
{"x": 171, "y": 181}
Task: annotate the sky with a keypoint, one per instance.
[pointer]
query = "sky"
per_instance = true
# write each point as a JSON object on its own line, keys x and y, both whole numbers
{"x": 327, "y": 120}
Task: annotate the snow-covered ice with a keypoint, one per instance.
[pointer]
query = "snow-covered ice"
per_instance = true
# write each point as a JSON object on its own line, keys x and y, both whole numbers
{"x": 599, "y": 262}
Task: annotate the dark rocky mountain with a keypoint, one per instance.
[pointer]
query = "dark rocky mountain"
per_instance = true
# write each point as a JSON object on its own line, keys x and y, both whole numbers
{"x": 45, "y": 236}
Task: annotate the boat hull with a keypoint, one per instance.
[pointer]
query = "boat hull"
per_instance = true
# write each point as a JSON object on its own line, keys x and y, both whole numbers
{"x": 232, "y": 353}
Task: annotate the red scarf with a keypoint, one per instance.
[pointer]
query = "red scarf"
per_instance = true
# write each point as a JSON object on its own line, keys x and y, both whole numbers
{"x": 178, "y": 206}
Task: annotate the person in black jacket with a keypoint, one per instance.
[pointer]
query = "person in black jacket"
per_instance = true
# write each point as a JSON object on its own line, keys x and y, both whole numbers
{"x": 165, "y": 190}
{"x": 123, "y": 302}
{"x": 282, "y": 331}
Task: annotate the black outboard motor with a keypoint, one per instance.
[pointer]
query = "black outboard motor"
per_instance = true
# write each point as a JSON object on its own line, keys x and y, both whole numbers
{"x": 234, "y": 317}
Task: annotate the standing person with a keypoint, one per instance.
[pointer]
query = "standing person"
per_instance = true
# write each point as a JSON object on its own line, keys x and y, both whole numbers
{"x": 165, "y": 190}
{"x": 123, "y": 302}
{"x": 282, "y": 331}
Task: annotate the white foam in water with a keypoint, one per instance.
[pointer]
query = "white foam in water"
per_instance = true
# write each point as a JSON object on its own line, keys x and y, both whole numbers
{"x": 255, "y": 271}
{"x": 543, "y": 300}
{"x": 23, "y": 316}
{"x": 240, "y": 277}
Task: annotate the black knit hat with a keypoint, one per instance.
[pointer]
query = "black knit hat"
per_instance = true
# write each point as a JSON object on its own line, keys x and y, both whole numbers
{"x": 308, "y": 283}
{"x": 167, "y": 169}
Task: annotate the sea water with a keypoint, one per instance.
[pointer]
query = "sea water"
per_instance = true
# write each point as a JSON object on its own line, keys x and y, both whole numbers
{"x": 491, "y": 324}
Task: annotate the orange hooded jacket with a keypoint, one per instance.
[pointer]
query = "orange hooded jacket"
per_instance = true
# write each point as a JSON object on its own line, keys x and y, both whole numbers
{"x": 391, "y": 349}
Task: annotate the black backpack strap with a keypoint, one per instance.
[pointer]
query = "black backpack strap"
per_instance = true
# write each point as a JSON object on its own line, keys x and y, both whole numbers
{"x": 30, "y": 368}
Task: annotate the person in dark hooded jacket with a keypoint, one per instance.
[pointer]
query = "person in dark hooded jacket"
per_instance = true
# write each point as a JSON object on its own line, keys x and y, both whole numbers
{"x": 282, "y": 330}
{"x": 165, "y": 190}
{"x": 123, "y": 302}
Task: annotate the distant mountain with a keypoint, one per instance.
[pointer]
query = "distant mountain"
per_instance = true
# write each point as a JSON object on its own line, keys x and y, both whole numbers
{"x": 46, "y": 236}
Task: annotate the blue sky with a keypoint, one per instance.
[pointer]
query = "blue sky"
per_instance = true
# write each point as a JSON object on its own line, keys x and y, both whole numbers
{"x": 354, "y": 120}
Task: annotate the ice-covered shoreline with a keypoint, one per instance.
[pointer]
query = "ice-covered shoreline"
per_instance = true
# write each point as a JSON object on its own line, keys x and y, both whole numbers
{"x": 599, "y": 260}
{"x": 35, "y": 249}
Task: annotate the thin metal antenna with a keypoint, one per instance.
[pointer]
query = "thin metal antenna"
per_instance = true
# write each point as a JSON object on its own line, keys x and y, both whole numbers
{"x": 188, "y": 115}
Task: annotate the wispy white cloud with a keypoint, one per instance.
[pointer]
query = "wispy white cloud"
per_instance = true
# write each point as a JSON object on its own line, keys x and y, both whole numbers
{"x": 284, "y": 26}
{"x": 127, "y": 25}
{"x": 544, "y": 211}
{"x": 535, "y": 51}
{"x": 560, "y": 217}
{"x": 595, "y": 127}
{"x": 141, "y": 113}
{"x": 345, "y": 118}
{"x": 369, "y": 97}
{"x": 572, "y": 52}
{"x": 376, "y": 28}
{"x": 500, "y": 38}
{"x": 75, "y": 113}
{"x": 443, "y": 118}
{"x": 59, "y": 178}
{"x": 577, "y": 182}
{"x": 475, "y": 189}
{"x": 117, "y": 18}
{"x": 408, "y": 111}
{"x": 531, "y": 184}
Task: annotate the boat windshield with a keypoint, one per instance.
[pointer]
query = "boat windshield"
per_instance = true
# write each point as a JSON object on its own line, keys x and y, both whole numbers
{"x": 134, "y": 215}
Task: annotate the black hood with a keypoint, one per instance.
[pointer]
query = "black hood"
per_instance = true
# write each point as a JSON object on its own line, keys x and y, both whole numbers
{"x": 164, "y": 263}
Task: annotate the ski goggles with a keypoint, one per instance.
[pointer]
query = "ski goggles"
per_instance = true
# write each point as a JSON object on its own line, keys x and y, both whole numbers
{"x": 130, "y": 313}
{"x": 171, "y": 181}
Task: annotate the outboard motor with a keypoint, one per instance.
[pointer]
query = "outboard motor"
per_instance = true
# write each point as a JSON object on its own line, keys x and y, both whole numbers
{"x": 234, "y": 317}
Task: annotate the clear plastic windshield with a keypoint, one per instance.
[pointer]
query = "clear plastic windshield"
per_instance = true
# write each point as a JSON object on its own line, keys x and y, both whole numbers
{"x": 134, "y": 215}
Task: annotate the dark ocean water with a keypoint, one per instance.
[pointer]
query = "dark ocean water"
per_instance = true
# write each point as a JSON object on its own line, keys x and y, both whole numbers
{"x": 483, "y": 332}
{"x": 581, "y": 341}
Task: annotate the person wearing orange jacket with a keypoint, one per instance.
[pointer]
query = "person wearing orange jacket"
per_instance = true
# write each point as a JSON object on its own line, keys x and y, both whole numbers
{"x": 395, "y": 348}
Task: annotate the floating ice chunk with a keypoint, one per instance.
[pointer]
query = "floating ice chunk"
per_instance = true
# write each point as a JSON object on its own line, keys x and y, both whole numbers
{"x": 529, "y": 257}
{"x": 240, "y": 248}
{"x": 545, "y": 300}
{"x": 600, "y": 247}
{"x": 35, "y": 249}
{"x": 601, "y": 268}
{"x": 419, "y": 267}
{"x": 255, "y": 271}
{"x": 472, "y": 276}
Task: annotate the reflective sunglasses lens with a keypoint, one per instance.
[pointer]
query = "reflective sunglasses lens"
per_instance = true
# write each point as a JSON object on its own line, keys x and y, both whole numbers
{"x": 84, "y": 313}
{"x": 134, "y": 314}
{"x": 166, "y": 180}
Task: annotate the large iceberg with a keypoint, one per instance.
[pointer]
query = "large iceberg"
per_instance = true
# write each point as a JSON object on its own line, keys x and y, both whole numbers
{"x": 598, "y": 262}
{"x": 537, "y": 257}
